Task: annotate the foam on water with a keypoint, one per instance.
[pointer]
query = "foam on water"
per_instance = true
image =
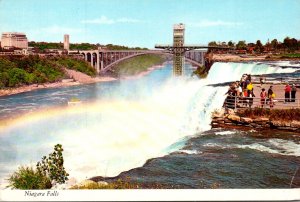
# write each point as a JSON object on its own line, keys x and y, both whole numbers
{"x": 110, "y": 136}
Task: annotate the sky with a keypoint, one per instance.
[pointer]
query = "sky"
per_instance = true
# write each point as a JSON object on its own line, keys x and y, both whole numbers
{"x": 144, "y": 23}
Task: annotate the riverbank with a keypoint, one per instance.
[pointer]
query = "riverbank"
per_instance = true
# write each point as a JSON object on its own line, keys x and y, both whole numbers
{"x": 78, "y": 78}
{"x": 251, "y": 58}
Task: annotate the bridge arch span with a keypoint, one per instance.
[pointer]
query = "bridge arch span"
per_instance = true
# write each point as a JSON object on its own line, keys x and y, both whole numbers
{"x": 110, "y": 66}
{"x": 104, "y": 60}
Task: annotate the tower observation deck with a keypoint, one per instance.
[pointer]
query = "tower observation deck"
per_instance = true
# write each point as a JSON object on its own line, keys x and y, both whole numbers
{"x": 180, "y": 50}
{"x": 178, "y": 42}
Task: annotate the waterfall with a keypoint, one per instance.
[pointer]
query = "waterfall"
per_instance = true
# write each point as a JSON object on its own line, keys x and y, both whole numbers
{"x": 110, "y": 136}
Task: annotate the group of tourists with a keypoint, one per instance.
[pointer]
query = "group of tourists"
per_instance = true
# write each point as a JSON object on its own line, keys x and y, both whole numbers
{"x": 267, "y": 97}
{"x": 241, "y": 93}
{"x": 242, "y": 90}
{"x": 290, "y": 93}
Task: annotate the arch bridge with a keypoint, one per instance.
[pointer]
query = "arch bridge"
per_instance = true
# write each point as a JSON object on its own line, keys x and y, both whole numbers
{"x": 105, "y": 60}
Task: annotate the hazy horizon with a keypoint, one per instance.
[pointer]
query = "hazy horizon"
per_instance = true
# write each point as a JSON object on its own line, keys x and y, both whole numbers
{"x": 148, "y": 22}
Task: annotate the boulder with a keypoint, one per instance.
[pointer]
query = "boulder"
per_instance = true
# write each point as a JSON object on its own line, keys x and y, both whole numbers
{"x": 246, "y": 120}
{"x": 218, "y": 113}
{"x": 261, "y": 119}
{"x": 280, "y": 123}
{"x": 102, "y": 183}
{"x": 218, "y": 119}
{"x": 295, "y": 124}
{"x": 234, "y": 117}
{"x": 230, "y": 111}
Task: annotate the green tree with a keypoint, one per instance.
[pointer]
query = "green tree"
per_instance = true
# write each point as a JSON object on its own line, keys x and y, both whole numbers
{"x": 4, "y": 79}
{"x": 258, "y": 46}
{"x": 53, "y": 166}
{"x": 230, "y": 44}
{"x": 274, "y": 44}
{"x": 212, "y": 43}
{"x": 241, "y": 45}
{"x": 290, "y": 43}
{"x": 16, "y": 77}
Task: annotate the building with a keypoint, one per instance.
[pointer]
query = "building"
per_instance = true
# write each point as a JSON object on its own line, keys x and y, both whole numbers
{"x": 66, "y": 42}
{"x": 14, "y": 40}
{"x": 178, "y": 41}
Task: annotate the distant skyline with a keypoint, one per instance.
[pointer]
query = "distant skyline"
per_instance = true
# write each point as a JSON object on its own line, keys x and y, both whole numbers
{"x": 145, "y": 23}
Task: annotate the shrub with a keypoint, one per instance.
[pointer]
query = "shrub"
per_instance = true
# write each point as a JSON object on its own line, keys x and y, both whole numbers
{"x": 53, "y": 166}
{"x": 50, "y": 170}
{"x": 29, "y": 178}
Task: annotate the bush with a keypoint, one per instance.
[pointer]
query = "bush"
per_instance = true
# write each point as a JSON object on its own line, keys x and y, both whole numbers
{"x": 53, "y": 166}
{"x": 50, "y": 170}
{"x": 29, "y": 178}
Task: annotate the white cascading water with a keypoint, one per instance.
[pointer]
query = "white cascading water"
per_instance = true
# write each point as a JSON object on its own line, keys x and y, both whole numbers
{"x": 108, "y": 137}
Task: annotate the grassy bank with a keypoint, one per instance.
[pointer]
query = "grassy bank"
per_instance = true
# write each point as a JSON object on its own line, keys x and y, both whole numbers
{"x": 18, "y": 71}
{"x": 290, "y": 55}
{"x": 138, "y": 64}
{"x": 273, "y": 114}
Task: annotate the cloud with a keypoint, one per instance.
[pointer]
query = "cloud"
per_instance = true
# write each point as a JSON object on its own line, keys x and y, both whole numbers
{"x": 60, "y": 30}
{"x": 106, "y": 20}
{"x": 217, "y": 23}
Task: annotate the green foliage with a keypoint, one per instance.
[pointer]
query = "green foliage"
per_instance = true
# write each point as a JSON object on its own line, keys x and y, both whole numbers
{"x": 17, "y": 71}
{"x": 78, "y": 46}
{"x": 16, "y": 77}
{"x": 118, "y": 47}
{"x": 290, "y": 55}
{"x": 83, "y": 46}
{"x": 75, "y": 64}
{"x": 29, "y": 178}
{"x": 138, "y": 64}
{"x": 200, "y": 72}
{"x": 45, "y": 45}
{"x": 241, "y": 45}
{"x": 53, "y": 166}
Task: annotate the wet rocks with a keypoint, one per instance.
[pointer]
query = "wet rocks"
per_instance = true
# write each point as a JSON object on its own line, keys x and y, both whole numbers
{"x": 233, "y": 117}
{"x": 230, "y": 120}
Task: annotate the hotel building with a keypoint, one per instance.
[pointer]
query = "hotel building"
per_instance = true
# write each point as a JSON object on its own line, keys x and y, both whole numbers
{"x": 14, "y": 39}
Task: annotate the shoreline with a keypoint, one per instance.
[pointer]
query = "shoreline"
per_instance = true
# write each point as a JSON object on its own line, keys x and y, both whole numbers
{"x": 32, "y": 87}
{"x": 248, "y": 58}
{"x": 74, "y": 82}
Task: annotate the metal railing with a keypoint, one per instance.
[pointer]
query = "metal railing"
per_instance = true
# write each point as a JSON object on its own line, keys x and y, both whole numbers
{"x": 237, "y": 102}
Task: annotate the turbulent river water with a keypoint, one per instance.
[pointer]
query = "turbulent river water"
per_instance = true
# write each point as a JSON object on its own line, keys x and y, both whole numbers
{"x": 121, "y": 124}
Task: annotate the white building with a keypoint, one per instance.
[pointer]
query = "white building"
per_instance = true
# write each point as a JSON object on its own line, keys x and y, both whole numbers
{"x": 14, "y": 39}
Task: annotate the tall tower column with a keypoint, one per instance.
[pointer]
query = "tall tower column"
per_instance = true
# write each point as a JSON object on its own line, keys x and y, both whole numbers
{"x": 66, "y": 42}
{"x": 178, "y": 43}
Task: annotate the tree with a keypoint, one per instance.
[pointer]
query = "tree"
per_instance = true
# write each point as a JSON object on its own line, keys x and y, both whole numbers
{"x": 230, "y": 44}
{"x": 48, "y": 172}
{"x": 274, "y": 44}
{"x": 241, "y": 45}
{"x": 53, "y": 166}
{"x": 212, "y": 43}
{"x": 258, "y": 46}
{"x": 290, "y": 43}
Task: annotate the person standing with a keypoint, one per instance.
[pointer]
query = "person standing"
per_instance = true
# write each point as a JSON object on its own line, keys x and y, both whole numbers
{"x": 287, "y": 93}
{"x": 263, "y": 96}
{"x": 270, "y": 96}
{"x": 293, "y": 93}
{"x": 251, "y": 98}
{"x": 249, "y": 88}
